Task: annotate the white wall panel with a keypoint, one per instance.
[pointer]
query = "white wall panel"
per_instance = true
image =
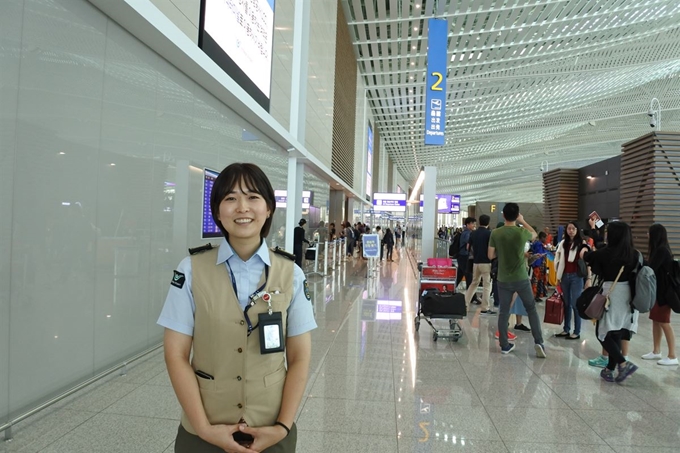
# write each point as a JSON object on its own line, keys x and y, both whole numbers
{"x": 111, "y": 141}
{"x": 53, "y": 267}
{"x": 321, "y": 76}
{"x": 10, "y": 42}
{"x": 359, "y": 137}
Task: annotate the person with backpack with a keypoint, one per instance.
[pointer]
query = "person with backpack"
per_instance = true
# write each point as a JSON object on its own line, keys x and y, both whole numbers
{"x": 616, "y": 262}
{"x": 465, "y": 268}
{"x": 661, "y": 261}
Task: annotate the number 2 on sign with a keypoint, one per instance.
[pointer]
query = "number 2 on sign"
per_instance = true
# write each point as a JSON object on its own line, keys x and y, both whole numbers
{"x": 440, "y": 77}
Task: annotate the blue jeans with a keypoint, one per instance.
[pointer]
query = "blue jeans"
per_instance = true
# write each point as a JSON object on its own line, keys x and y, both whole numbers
{"x": 572, "y": 287}
{"x": 523, "y": 290}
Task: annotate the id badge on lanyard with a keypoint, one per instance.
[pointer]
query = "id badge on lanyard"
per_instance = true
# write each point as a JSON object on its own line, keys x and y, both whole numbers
{"x": 270, "y": 323}
{"x": 271, "y": 329}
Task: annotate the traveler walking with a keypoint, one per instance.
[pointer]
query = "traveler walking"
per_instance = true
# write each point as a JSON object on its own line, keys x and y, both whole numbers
{"x": 481, "y": 268}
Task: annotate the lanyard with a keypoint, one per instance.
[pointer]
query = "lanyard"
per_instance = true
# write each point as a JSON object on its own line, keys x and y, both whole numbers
{"x": 252, "y": 298}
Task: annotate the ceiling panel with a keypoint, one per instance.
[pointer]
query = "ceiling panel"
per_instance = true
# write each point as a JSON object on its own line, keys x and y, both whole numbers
{"x": 531, "y": 84}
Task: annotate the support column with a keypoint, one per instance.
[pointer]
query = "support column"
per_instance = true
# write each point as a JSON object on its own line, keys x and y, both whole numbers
{"x": 298, "y": 91}
{"x": 298, "y": 115}
{"x": 336, "y": 212}
{"x": 429, "y": 213}
{"x": 296, "y": 171}
{"x": 560, "y": 197}
{"x": 650, "y": 186}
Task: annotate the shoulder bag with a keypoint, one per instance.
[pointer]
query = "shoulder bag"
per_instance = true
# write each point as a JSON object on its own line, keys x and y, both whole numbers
{"x": 600, "y": 303}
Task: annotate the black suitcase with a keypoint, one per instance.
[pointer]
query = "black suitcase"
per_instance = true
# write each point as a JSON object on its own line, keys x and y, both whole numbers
{"x": 310, "y": 254}
{"x": 450, "y": 304}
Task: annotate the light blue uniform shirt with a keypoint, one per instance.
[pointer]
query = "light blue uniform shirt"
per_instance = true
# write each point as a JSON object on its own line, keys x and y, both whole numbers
{"x": 178, "y": 311}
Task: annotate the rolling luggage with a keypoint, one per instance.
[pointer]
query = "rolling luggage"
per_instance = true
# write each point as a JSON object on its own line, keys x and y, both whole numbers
{"x": 554, "y": 309}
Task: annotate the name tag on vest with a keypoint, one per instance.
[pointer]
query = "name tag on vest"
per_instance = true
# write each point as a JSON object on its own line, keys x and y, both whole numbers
{"x": 271, "y": 332}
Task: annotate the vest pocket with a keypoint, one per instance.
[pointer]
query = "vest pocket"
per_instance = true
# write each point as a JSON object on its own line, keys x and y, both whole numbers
{"x": 207, "y": 384}
{"x": 275, "y": 377}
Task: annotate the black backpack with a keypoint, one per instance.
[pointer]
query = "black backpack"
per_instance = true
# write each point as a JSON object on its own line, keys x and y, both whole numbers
{"x": 669, "y": 288}
{"x": 454, "y": 248}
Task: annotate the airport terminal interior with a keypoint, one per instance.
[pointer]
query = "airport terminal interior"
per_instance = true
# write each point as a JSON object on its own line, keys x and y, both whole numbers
{"x": 387, "y": 131}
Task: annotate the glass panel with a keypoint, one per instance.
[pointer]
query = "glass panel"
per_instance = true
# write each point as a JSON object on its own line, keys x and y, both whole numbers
{"x": 111, "y": 144}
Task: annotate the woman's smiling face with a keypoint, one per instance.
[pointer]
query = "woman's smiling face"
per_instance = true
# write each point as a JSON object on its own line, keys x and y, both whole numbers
{"x": 243, "y": 213}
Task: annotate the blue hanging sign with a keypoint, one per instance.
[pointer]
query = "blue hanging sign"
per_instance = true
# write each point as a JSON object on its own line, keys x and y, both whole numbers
{"x": 435, "y": 94}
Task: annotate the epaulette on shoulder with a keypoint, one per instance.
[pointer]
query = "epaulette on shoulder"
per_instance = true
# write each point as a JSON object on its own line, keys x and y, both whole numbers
{"x": 280, "y": 251}
{"x": 200, "y": 249}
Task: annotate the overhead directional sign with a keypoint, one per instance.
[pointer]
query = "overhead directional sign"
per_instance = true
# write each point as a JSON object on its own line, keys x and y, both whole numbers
{"x": 435, "y": 94}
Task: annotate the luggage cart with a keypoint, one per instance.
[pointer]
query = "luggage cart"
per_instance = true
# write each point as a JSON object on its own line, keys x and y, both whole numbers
{"x": 437, "y": 299}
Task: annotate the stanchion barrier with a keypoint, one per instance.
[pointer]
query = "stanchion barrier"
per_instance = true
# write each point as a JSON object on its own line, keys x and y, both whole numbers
{"x": 335, "y": 246}
{"x": 325, "y": 257}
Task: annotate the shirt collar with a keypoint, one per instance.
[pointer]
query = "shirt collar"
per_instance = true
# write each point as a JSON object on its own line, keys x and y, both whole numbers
{"x": 225, "y": 252}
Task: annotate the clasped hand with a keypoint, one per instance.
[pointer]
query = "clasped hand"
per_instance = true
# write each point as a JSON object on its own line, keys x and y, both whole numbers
{"x": 263, "y": 437}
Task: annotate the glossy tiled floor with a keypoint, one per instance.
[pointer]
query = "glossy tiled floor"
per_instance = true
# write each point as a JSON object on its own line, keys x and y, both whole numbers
{"x": 377, "y": 386}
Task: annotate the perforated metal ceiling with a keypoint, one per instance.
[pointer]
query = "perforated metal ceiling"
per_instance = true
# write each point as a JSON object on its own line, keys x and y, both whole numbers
{"x": 531, "y": 84}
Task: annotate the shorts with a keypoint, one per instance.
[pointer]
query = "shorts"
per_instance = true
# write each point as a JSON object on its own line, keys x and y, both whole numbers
{"x": 660, "y": 313}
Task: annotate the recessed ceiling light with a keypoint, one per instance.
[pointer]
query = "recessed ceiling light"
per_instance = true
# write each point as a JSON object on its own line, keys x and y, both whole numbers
{"x": 415, "y": 28}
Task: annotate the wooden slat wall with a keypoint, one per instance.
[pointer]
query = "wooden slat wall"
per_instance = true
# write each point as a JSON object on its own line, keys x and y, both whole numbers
{"x": 650, "y": 186}
{"x": 344, "y": 102}
{"x": 560, "y": 197}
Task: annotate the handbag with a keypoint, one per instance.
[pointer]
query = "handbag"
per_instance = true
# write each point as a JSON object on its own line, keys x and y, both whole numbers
{"x": 600, "y": 302}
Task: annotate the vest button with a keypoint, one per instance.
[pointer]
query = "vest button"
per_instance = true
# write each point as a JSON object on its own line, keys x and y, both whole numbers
{"x": 238, "y": 378}
{"x": 240, "y": 350}
{"x": 240, "y": 406}
{"x": 242, "y": 322}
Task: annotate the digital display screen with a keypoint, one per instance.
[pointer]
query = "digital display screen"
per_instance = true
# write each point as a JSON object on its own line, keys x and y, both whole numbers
{"x": 281, "y": 197}
{"x": 210, "y": 228}
{"x": 390, "y": 202}
{"x": 446, "y": 204}
{"x": 238, "y": 35}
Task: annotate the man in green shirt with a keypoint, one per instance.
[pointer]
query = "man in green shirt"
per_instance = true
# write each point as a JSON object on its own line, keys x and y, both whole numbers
{"x": 508, "y": 243}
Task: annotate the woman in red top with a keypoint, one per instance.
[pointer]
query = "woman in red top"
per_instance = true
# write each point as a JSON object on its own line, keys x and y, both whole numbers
{"x": 569, "y": 250}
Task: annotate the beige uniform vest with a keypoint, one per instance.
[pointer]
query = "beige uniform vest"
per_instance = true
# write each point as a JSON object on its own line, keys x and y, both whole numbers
{"x": 247, "y": 385}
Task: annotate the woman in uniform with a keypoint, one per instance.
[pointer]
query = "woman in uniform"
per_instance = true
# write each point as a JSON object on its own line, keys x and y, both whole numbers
{"x": 245, "y": 311}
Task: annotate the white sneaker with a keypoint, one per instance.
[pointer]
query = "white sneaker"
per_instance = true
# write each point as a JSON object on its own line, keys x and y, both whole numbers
{"x": 651, "y": 356}
{"x": 667, "y": 362}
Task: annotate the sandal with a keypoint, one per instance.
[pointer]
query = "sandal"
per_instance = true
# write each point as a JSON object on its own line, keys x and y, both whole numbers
{"x": 562, "y": 334}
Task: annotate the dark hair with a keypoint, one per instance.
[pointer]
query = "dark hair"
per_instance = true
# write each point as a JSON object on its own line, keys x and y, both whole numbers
{"x": 470, "y": 220}
{"x": 578, "y": 238}
{"x": 620, "y": 239}
{"x": 302, "y": 222}
{"x": 254, "y": 180}
{"x": 511, "y": 212}
{"x": 542, "y": 235}
{"x": 658, "y": 239}
{"x": 484, "y": 220}
{"x": 500, "y": 224}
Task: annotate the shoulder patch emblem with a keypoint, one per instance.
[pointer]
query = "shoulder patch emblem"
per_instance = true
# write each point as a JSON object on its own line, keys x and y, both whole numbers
{"x": 306, "y": 288}
{"x": 178, "y": 280}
